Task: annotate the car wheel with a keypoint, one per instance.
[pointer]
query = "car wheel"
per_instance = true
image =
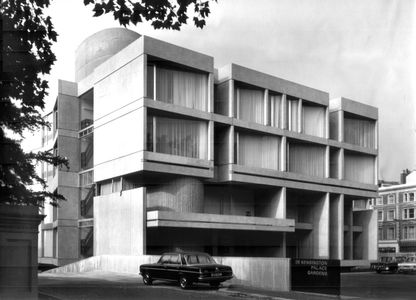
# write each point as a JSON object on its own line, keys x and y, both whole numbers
{"x": 147, "y": 280}
{"x": 214, "y": 284}
{"x": 184, "y": 282}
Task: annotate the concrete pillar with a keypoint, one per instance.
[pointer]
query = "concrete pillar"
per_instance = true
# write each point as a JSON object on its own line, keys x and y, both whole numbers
{"x": 283, "y": 113}
{"x": 336, "y": 225}
{"x": 348, "y": 235}
{"x": 283, "y": 154}
{"x": 300, "y": 116}
{"x": 341, "y": 164}
{"x": 340, "y": 125}
{"x": 327, "y": 162}
{"x": 367, "y": 242}
{"x": 281, "y": 204}
{"x": 326, "y": 123}
{"x": 210, "y": 96}
{"x": 231, "y": 99}
{"x": 266, "y": 107}
{"x": 210, "y": 140}
{"x": 321, "y": 227}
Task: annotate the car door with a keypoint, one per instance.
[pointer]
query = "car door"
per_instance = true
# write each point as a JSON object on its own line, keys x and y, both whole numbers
{"x": 173, "y": 267}
{"x": 161, "y": 268}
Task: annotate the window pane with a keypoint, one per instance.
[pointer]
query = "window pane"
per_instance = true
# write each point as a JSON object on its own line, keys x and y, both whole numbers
{"x": 308, "y": 159}
{"x": 251, "y": 105}
{"x": 359, "y": 132}
{"x": 181, "y": 137}
{"x": 275, "y": 107}
{"x": 292, "y": 114}
{"x": 313, "y": 120}
{"x": 258, "y": 151}
{"x": 182, "y": 88}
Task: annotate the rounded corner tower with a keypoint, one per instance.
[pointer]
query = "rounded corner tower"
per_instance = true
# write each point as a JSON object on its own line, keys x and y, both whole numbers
{"x": 100, "y": 46}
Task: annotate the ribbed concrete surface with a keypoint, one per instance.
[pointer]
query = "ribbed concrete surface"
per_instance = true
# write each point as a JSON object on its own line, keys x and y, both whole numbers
{"x": 268, "y": 273}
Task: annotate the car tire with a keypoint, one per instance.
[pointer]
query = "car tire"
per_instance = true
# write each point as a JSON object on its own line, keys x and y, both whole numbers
{"x": 184, "y": 283}
{"x": 147, "y": 280}
{"x": 214, "y": 284}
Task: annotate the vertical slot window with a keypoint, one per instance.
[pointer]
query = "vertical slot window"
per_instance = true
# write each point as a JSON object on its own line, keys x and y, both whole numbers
{"x": 275, "y": 104}
{"x": 292, "y": 114}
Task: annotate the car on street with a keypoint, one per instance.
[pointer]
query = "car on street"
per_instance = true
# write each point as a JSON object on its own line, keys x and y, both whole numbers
{"x": 186, "y": 268}
{"x": 408, "y": 266}
{"x": 388, "y": 264}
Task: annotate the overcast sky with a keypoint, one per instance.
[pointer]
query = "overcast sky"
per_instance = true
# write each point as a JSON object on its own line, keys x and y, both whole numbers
{"x": 362, "y": 50}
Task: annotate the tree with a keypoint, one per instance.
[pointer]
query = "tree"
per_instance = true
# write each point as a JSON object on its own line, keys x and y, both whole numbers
{"x": 27, "y": 35}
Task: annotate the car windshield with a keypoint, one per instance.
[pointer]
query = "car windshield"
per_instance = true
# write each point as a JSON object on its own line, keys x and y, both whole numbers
{"x": 411, "y": 259}
{"x": 195, "y": 259}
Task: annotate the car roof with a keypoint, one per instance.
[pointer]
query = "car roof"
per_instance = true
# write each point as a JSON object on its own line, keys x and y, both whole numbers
{"x": 185, "y": 252}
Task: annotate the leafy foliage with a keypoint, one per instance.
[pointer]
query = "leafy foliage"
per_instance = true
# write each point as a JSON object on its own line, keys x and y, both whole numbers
{"x": 165, "y": 14}
{"x": 26, "y": 55}
{"x": 27, "y": 35}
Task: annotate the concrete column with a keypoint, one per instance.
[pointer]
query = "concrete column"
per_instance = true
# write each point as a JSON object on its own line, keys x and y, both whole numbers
{"x": 340, "y": 125}
{"x": 336, "y": 249}
{"x": 348, "y": 235}
{"x": 210, "y": 96}
{"x": 341, "y": 164}
{"x": 321, "y": 227}
{"x": 283, "y": 154}
{"x": 327, "y": 162}
{"x": 283, "y": 113}
{"x": 300, "y": 116}
{"x": 327, "y": 123}
{"x": 145, "y": 79}
{"x": 211, "y": 140}
{"x": 231, "y": 137}
{"x": 231, "y": 99}
{"x": 367, "y": 242}
{"x": 281, "y": 204}
{"x": 266, "y": 108}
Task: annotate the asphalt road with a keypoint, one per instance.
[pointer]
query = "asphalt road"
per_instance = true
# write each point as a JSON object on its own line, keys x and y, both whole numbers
{"x": 98, "y": 285}
{"x": 117, "y": 286}
{"x": 370, "y": 285}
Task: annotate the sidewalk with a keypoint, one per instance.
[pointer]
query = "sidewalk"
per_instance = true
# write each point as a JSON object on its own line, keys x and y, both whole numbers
{"x": 122, "y": 285}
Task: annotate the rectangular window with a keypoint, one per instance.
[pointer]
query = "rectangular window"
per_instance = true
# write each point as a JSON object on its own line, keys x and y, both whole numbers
{"x": 359, "y": 131}
{"x": 409, "y": 232}
{"x": 304, "y": 158}
{"x": 380, "y": 233}
{"x": 359, "y": 167}
{"x": 380, "y": 215}
{"x": 409, "y": 213}
{"x": 275, "y": 103}
{"x": 258, "y": 151}
{"x": 179, "y": 87}
{"x": 313, "y": 120}
{"x": 391, "y": 215}
{"x": 411, "y": 196}
{"x": 250, "y": 105}
{"x": 180, "y": 137}
{"x": 379, "y": 201}
{"x": 406, "y": 197}
{"x": 391, "y": 198}
{"x": 391, "y": 233}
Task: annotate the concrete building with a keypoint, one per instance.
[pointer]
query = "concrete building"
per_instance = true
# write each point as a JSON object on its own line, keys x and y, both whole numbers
{"x": 167, "y": 152}
{"x": 395, "y": 209}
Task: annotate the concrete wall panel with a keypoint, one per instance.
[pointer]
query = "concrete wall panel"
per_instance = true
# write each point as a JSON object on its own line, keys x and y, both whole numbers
{"x": 119, "y": 223}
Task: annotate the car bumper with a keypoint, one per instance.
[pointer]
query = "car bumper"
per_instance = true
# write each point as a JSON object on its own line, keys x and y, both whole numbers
{"x": 214, "y": 279}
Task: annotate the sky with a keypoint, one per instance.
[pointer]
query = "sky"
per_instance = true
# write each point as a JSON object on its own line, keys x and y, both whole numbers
{"x": 361, "y": 50}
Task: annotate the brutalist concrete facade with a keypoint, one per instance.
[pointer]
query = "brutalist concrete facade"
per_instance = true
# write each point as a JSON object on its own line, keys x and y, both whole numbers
{"x": 167, "y": 152}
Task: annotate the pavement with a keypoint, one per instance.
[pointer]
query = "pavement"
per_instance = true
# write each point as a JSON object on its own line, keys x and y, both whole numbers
{"x": 109, "y": 285}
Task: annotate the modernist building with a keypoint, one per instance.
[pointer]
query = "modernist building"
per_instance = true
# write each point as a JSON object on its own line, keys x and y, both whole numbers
{"x": 396, "y": 209}
{"x": 167, "y": 152}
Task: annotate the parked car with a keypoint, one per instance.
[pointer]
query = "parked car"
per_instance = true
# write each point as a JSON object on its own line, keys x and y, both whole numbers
{"x": 409, "y": 265}
{"x": 186, "y": 268}
{"x": 388, "y": 264}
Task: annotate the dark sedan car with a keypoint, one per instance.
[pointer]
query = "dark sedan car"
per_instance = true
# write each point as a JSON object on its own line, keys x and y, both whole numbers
{"x": 186, "y": 268}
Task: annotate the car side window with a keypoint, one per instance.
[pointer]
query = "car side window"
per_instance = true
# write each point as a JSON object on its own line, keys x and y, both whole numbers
{"x": 165, "y": 259}
{"x": 174, "y": 259}
{"x": 192, "y": 259}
